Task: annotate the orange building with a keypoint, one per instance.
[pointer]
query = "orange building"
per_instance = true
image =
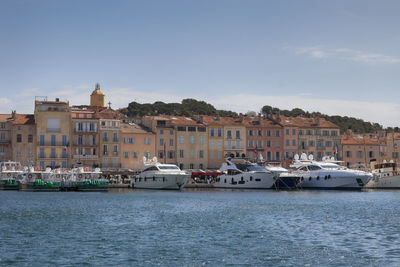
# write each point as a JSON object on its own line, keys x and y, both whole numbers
{"x": 359, "y": 151}
{"x": 135, "y": 145}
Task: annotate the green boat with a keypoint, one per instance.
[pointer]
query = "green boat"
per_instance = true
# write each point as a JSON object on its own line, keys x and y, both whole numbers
{"x": 92, "y": 185}
{"x": 40, "y": 185}
{"x": 10, "y": 184}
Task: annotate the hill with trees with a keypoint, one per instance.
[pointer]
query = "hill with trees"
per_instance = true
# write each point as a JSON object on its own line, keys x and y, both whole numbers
{"x": 190, "y": 107}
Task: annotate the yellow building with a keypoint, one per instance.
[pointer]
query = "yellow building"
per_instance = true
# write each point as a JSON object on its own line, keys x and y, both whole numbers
{"x": 109, "y": 135}
{"x": 97, "y": 98}
{"x": 53, "y": 131}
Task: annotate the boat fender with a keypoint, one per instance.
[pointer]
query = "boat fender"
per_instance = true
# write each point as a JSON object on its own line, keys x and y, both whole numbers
{"x": 317, "y": 177}
{"x": 80, "y": 175}
{"x": 29, "y": 175}
{"x": 36, "y": 168}
{"x": 309, "y": 178}
{"x": 58, "y": 176}
{"x": 8, "y": 174}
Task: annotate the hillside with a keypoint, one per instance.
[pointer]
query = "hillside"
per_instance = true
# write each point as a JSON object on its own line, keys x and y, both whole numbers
{"x": 189, "y": 107}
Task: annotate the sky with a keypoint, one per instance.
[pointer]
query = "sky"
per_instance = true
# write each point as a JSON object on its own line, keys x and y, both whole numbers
{"x": 335, "y": 57}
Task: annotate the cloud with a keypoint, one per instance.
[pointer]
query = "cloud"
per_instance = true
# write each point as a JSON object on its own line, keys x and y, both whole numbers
{"x": 318, "y": 52}
{"x": 385, "y": 113}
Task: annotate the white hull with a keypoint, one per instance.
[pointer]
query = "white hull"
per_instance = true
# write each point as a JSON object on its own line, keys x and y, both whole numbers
{"x": 339, "y": 182}
{"x": 161, "y": 181}
{"x": 246, "y": 181}
{"x": 387, "y": 182}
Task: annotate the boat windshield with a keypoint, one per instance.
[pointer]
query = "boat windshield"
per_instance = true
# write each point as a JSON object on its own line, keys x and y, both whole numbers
{"x": 331, "y": 166}
{"x": 168, "y": 167}
{"x": 256, "y": 168}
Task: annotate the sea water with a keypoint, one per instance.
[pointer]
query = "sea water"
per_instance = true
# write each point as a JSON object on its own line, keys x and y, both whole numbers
{"x": 200, "y": 228}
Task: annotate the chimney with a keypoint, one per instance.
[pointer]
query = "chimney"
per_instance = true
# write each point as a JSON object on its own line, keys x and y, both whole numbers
{"x": 14, "y": 114}
{"x": 317, "y": 121}
{"x": 57, "y": 99}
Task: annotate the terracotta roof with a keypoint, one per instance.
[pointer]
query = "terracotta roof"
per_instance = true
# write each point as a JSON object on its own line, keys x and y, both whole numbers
{"x": 177, "y": 120}
{"x": 109, "y": 114}
{"x": 307, "y": 122}
{"x": 133, "y": 128}
{"x": 260, "y": 122}
{"x": 221, "y": 121}
{"x": 24, "y": 119}
{"x": 20, "y": 119}
{"x": 356, "y": 140}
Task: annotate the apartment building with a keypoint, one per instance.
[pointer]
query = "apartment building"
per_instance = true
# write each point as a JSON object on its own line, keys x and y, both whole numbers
{"x": 5, "y": 138}
{"x": 53, "y": 128}
{"x": 392, "y": 146}
{"x": 85, "y": 140}
{"x": 290, "y": 138}
{"x": 23, "y": 134}
{"x": 164, "y": 139}
{"x": 109, "y": 135}
{"x": 234, "y": 136}
{"x": 135, "y": 144}
{"x": 318, "y": 137}
{"x": 359, "y": 151}
{"x": 264, "y": 138}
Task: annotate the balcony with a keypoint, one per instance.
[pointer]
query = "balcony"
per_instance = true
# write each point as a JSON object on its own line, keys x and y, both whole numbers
{"x": 84, "y": 131}
{"x": 3, "y": 141}
{"x": 233, "y": 148}
{"x": 53, "y": 130}
{"x": 52, "y": 157}
{"x": 52, "y": 144}
{"x": 85, "y": 157}
{"x": 84, "y": 144}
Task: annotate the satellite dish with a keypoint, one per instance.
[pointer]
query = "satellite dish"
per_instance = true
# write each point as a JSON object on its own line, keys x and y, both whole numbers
{"x": 310, "y": 157}
{"x": 303, "y": 156}
{"x": 296, "y": 157}
{"x": 154, "y": 159}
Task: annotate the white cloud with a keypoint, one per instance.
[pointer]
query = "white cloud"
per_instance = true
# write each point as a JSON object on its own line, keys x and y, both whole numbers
{"x": 385, "y": 113}
{"x": 318, "y": 52}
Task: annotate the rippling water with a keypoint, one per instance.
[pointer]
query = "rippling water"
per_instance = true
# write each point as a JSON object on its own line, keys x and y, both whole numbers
{"x": 196, "y": 228}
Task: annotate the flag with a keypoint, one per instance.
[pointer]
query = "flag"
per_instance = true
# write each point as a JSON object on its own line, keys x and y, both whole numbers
{"x": 336, "y": 150}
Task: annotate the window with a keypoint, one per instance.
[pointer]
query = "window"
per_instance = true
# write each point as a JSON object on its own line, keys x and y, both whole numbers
{"x": 333, "y": 133}
{"x": 181, "y": 139}
{"x": 310, "y": 143}
{"x": 259, "y": 143}
{"x": 135, "y": 154}
{"x": 182, "y": 128}
{"x": 201, "y": 129}
{"x": 161, "y": 131}
{"x": 171, "y": 154}
{"x": 211, "y": 131}
{"x": 181, "y": 153}
{"x": 309, "y": 132}
{"x": 160, "y": 154}
{"x": 79, "y": 127}
{"x": 328, "y": 144}
{"x": 212, "y": 144}
{"x": 277, "y": 144}
{"x": 2, "y": 136}
{"x": 42, "y": 153}
{"x": 294, "y": 142}
{"x": 126, "y": 155}
{"x": 287, "y": 142}
{"x": 250, "y": 143}
{"x": 371, "y": 154}
{"x": 237, "y": 134}
{"x": 171, "y": 142}
{"x": 147, "y": 140}
{"x": 53, "y": 153}
{"x": 192, "y": 153}
{"x": 161, "y": 141}
{"x": 251, "y": 132}
{"x": 219, "y": 155}
{"x": 3, "y": 125}
{"x": 325, "y": 133}
{"x": 348, "y": 154}
{"x": 64, "y": 140}
{"x": 105, "y": 137}
{"x": 19, "y": 138}
{"x": 259, "y": 133}
{"x": 293, "y": 131}
{"x": 191, "y": 129}
{"x": 53, "y": 125}
{"x": 277, "y": 155}
{"x": 219, "y": 131}
{"x": 201, "y": 154}
{"x": 219, "y": 144}
{"x": 212, "y": 155}
{"x": 105, "y": 150}
{"x": 115, "y": 139}
{"x": 201, "y": 140}
{"x": 287, "y": 131}
{"x": 192, "y": 139}
{"x": 53, "y": 140}
{"x": 301, "y": 132}
{"x": 131, "y": 140}
{"x": 359, "y": 154}
{"x": 268, "y": 143}
{"x": 277, "y": 133}
{"x": 79, "y": 140}
{"x": 171, "y": 132}
{"x": 268, "y": 133}
{"x": 229, "y": 134}
{"x": 42, "y": 140}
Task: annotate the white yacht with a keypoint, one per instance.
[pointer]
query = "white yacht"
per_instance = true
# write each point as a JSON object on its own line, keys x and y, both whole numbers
{"x": 327, "y": 174}
{"x": 156, "y": 175}
{"x": 244, "y": 174}
{"x": 386, "y": 176}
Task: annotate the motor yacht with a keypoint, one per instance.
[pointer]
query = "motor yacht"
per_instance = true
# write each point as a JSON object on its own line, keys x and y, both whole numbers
{"x": 386, "y": 176}
{"x": 156, "y": 175}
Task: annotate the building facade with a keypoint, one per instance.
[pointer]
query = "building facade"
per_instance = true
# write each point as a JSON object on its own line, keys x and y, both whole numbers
{"x": 359, "y": 151}
{"x": 23, "y": 132}
{"x": 135, "y": 145}
{"x": 85, "y": 142}
{"x": 53, "y": 128}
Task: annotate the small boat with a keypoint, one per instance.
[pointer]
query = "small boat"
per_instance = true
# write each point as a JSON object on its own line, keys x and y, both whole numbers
{"x": 37, "y": 179}
{"x": 10, "y": 175}
{"x": 242, "y": 174}
{"x": 156, "y": 175}
{"x": 90, "y": 180}
{"x": 386, "y": 176}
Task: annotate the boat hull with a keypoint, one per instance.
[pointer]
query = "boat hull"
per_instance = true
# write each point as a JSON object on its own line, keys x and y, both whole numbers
{"x": 246, "y": 181}
{"x": 388, "y": 182}
{"x": 164, "y": 181}
{"x": 340, "y": 182}
{"x": 10, "y": 184}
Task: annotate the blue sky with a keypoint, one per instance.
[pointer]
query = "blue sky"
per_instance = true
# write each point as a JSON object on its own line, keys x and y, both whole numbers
{"x": 337, "y": 57}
